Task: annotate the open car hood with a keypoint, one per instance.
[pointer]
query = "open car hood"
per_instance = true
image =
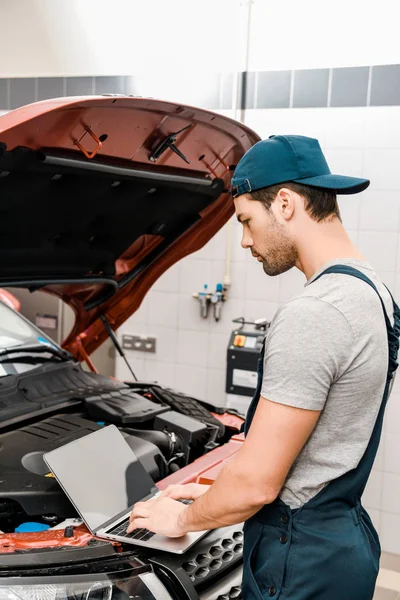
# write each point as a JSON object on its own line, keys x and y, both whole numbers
{"x": 100, "y": 195}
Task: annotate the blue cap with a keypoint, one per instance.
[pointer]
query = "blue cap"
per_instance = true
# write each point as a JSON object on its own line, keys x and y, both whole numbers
{"x": 284, "y": 158}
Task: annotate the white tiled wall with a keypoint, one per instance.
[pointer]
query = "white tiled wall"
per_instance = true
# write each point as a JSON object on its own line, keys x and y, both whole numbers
{"x": 191, "y": 351}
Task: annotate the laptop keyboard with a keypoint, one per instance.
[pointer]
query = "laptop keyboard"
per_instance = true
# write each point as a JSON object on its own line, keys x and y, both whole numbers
{"x": 137, "y": 534}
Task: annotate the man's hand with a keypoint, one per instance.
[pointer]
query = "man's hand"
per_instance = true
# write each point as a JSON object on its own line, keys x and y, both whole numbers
{"x": 251, "y": 479}
{"x": 190, "y": 491}
{"x": 161, "y": 515}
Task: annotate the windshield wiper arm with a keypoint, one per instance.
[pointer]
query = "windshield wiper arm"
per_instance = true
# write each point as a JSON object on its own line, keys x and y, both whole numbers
{"x": 35, "y": 349}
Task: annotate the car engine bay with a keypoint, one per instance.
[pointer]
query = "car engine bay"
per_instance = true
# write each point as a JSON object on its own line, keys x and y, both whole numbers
{"x": 58, "y": 403}
{"x": 176, "y": 438}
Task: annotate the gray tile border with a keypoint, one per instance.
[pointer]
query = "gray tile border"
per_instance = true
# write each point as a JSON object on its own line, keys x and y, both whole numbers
{"x": 273, "y": 90}
{"x": 208, "y": 91}
{"x": 203, "y": 91}
{"x": 247, "y": 81}
{"x": 22, "y": 91}
{"x": 132, "y": 85}
{"x": 4, "y": 94}
{"x": 51, "y": 87}
{"x": 291, "y": 89}
{"x": 349, "y": 86}
{"x": 385, "y": 87}
{"x": 369, "y": 86}
{"x": 226, "y": 91}
{"x": 109, "y": 85}
{"x": 310, "y": 88}
{"x": 80, "y": 86}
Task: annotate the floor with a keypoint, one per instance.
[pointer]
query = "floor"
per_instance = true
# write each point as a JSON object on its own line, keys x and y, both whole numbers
{"x": 388, "y": 585}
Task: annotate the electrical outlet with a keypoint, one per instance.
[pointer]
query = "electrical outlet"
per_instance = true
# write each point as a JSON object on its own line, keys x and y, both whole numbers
{"x": 139, "y": 343}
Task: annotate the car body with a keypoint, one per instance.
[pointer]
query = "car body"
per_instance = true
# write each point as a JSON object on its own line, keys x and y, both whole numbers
{"x": 98, "y": 197}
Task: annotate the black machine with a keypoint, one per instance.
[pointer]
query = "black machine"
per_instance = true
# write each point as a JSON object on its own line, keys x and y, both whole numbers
{"x": 242, "y": 356}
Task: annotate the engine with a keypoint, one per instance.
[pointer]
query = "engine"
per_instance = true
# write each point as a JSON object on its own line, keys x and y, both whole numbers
{"x": 166, "y": 430}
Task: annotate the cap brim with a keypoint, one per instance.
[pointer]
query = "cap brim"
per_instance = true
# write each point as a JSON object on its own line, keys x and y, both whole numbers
{"x": 342, "y": 184}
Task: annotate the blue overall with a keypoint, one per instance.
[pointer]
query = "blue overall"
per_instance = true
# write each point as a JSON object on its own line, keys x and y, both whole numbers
{"x": 328, "y": 549}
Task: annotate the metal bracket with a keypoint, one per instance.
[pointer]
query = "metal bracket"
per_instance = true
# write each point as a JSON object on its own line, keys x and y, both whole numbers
{"x": 168, "y": 143}
{"x": 83, "y": 354}
{"x": 96, "y": 139}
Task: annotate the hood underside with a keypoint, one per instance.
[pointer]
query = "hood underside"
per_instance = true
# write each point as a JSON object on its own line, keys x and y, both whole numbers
{"x": 100, "y": 195}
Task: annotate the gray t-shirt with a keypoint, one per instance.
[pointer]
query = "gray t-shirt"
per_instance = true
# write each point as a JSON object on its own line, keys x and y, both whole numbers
{"x": 327, "y": 349}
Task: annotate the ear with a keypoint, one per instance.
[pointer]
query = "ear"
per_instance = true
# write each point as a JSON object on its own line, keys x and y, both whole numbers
{"x": 285, "y": 204}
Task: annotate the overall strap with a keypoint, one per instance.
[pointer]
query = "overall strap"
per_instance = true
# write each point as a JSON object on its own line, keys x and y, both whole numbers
{"x": 254, "y": 403}
{"x": 350, "y": 486}
{"x": 393, "y": 332}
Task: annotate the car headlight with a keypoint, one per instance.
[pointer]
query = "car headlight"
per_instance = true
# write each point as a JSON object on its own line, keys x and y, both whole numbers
{"x": 145, "y": 586}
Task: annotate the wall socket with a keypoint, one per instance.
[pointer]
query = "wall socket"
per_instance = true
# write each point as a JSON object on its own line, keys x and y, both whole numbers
{"x": 139, "y": 342}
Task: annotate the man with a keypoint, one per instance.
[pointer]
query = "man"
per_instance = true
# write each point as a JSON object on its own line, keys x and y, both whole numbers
{"x": 313, "y": 428}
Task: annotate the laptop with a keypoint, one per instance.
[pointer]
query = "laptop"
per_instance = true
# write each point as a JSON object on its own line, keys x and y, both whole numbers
{"x": 103, "y": 478}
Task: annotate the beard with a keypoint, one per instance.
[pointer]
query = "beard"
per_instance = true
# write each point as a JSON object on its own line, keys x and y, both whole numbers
{"x": 279, "y": 253}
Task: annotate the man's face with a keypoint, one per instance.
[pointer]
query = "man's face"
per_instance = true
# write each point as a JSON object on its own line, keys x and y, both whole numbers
{"x": 266, "y": 238}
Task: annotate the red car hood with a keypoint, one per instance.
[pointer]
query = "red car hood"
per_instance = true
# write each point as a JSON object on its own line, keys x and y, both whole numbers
{"x": 100, "y": 195}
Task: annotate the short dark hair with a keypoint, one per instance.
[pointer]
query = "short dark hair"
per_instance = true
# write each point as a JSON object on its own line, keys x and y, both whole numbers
{"x": 320, "y": 203}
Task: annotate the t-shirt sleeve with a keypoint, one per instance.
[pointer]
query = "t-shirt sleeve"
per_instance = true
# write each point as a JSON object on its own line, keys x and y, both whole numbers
{"x": 306, "y": 350}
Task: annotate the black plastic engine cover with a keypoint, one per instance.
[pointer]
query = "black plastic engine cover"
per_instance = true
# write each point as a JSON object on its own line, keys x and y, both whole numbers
{"x": 48, "y": 387}
{"x": 123, "y": 407}
{"x": 24, "y": 475}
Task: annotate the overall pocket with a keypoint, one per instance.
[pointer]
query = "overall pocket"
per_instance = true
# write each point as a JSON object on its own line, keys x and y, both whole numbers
{"x": 265, "y": 559}
{"x": 371, "y": 537}
{"x": 253, "y": 533}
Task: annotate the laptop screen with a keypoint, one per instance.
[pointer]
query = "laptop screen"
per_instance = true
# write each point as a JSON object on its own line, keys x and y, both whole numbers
{"x": 100, "y": 474}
